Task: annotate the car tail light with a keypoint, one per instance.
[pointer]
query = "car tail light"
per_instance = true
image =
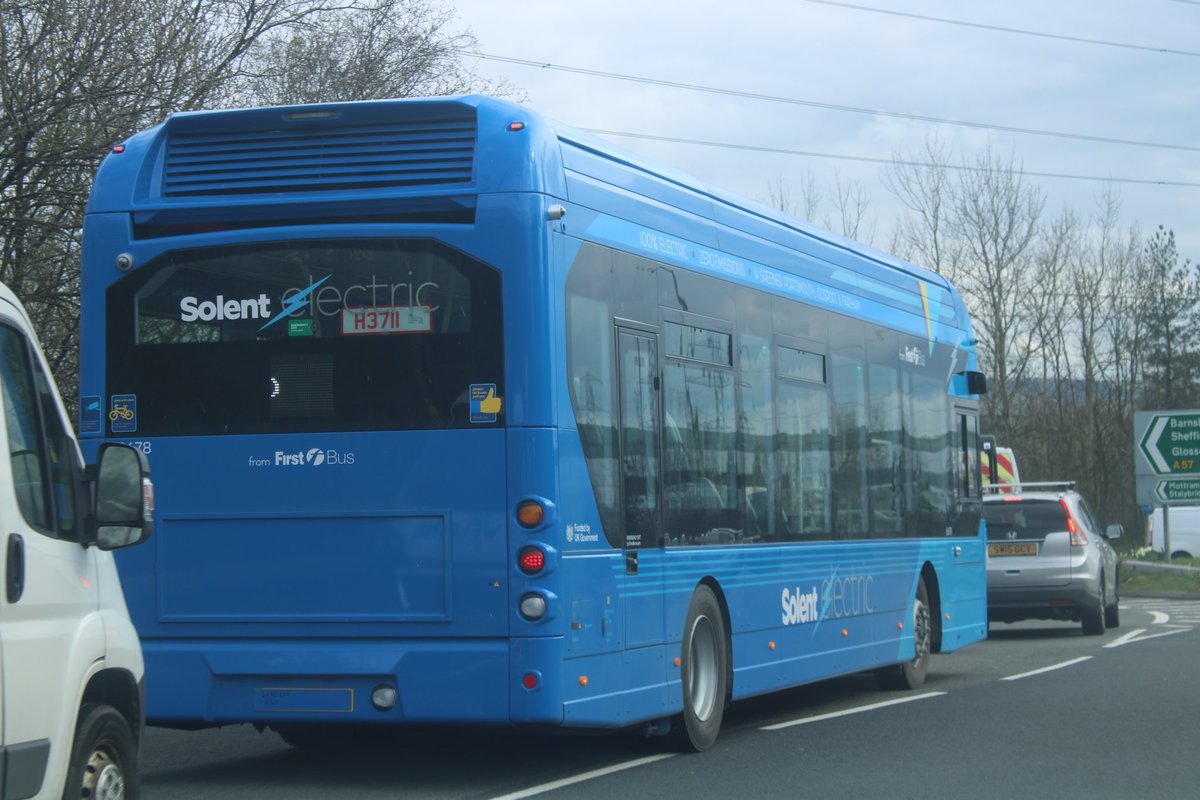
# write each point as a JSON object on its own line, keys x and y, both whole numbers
{"x": 1078, "y": 537}
{"x": 531, "y": 559}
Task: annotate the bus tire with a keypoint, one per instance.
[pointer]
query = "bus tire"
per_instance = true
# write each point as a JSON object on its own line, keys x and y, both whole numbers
{"x": 911, "y": 674}
{"x": 705, "y": 673}
{"x": 103, "y": 756}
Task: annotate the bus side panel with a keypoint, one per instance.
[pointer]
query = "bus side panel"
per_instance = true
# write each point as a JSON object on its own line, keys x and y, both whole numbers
{"x": 808, "y": 612}
{"x": 964, "y": 594}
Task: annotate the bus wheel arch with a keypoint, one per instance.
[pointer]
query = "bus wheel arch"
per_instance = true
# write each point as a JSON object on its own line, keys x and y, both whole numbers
{"x": 706, "y": 668}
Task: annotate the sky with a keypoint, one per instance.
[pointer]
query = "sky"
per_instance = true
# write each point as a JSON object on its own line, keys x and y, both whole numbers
{"x": 1126, "y": 70}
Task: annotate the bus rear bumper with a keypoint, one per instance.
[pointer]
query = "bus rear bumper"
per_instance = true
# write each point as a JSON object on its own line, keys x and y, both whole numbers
{"x": 197, "y": 683}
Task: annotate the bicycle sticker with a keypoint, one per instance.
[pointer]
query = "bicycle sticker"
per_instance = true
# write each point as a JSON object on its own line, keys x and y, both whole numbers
{"x": 122, "y": 413}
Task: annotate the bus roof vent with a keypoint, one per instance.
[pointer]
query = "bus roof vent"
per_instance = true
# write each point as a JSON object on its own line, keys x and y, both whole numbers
{"x": 319, "y": 158}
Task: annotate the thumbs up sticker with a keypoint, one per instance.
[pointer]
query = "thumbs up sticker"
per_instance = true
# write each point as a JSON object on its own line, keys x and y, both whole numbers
{"x": 485, "y": 404}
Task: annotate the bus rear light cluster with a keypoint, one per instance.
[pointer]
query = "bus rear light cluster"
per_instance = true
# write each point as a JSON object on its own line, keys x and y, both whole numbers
{"x": 531, "y": 513}
{"x": 531, "y": 559}
{"x": 383, "y": 697}
{"x": 533, "y": 606}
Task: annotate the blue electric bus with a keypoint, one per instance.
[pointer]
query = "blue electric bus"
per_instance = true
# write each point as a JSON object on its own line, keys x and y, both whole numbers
{"x": 458, "y": 415}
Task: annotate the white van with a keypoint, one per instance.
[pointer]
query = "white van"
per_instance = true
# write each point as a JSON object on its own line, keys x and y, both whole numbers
{"x": 71, "y": 694}
{"x": 1185, "y": 531}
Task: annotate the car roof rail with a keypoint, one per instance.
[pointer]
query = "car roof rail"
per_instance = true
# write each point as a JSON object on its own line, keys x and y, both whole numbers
{"x": 1064, "y": 485}
{"x": 1015, "y": 488}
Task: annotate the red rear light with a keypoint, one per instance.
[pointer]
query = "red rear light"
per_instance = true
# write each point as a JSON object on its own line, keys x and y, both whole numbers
{"x": 531, "y": 559}
{"x": 1078, "y": 537}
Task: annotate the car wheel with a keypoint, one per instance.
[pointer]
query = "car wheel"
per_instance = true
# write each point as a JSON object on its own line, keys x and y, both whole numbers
{"x": 103, "y": 757}
{"x": 911, "y": 674}
{"x": 705, "y": 673}
{"x": 1094, "y": 618}
{"x": 1112, "y": 614}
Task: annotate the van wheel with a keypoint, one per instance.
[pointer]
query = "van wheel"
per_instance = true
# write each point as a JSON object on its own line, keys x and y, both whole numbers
{"x": 103, "y": 757}
{"x": 705, "y": 673}
{"x": 911, "y": 674}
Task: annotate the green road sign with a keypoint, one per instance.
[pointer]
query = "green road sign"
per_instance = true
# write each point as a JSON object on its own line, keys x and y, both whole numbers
{"x": 1172, "y": 444}
{"x": 1180, "y": 490}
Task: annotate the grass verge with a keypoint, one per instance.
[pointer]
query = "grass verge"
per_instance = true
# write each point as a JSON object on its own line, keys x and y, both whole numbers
{"x": 1167, "y": 581}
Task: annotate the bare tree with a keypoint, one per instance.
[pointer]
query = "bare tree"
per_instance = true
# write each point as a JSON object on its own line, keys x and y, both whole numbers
{"x": 987, "y": 221}
{"x": 379, "y": 48}
{"x": 80, "y": 75}
{"x": 851, "y": 200}
{"x": 924, "y": 187}
{"x": 780, "y": 196}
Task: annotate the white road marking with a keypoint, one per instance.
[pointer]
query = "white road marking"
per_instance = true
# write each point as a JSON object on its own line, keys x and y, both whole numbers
{"x": 847, "y": 712}
{"x": 1050, "y": 668}
{"x": 1160, "y": 618}
{"x": 1127, "y": 640}
{"x": 585, "y": 776}
{"x": 1128, "y": 637}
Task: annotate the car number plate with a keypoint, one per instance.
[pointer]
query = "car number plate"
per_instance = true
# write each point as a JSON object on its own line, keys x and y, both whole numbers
{"x": 1013, "y": 549}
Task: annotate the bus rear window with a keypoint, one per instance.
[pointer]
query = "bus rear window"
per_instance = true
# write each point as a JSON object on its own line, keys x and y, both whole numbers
{"x": 307, "y": 336}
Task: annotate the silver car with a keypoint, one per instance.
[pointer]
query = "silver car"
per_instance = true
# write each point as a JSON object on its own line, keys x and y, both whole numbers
{"x": 1048, "y": 558}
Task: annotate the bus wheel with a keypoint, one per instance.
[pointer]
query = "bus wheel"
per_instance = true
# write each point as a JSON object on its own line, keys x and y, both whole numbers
{"x": 911, "y": 674}
{"x": 104, "y": 756}
{"x": 705, "y": 672}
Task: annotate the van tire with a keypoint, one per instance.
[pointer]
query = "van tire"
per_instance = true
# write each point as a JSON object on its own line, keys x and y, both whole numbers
{"x": 103, "y": 756}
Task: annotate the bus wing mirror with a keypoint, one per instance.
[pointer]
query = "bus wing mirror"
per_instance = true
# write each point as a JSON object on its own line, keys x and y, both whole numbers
{"x": 976, "y": 382}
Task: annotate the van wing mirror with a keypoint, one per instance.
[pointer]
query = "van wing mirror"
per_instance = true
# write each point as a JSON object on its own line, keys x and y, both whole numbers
{"x": 1115, "y": 531}
{"x": 122, "y": 498}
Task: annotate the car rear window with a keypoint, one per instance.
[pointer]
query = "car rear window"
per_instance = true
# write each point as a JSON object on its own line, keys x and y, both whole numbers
{"x": 1028, "y": 519}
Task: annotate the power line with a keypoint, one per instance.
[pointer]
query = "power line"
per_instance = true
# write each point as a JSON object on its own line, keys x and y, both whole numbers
{"x": 1022, "y": 32}
{"x": 874, "y": 160}
{"x": 827, "y": 106}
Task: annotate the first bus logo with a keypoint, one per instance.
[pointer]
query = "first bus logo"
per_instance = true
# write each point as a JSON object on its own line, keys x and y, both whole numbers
{"x": 304, "y": 457}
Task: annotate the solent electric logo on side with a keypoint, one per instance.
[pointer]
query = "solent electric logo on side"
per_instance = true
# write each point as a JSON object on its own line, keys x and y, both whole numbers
{"x": 304, "y": 457}
{"x": 847, "y": 596}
